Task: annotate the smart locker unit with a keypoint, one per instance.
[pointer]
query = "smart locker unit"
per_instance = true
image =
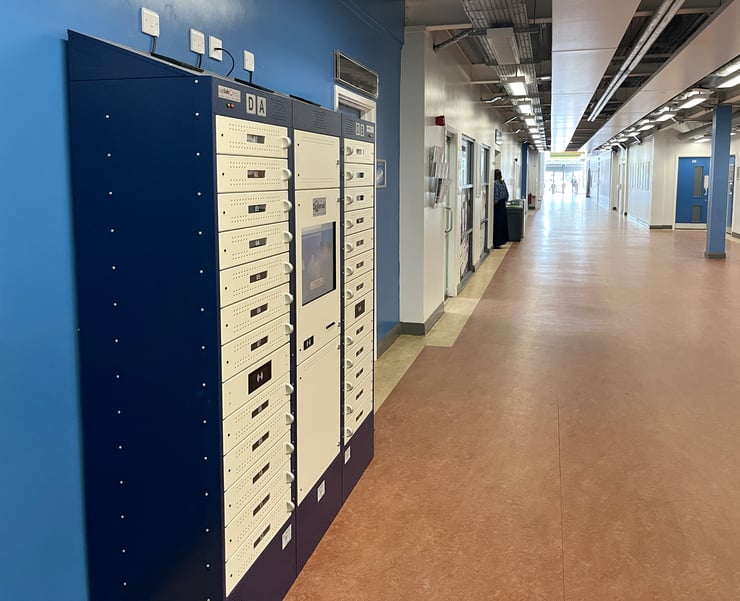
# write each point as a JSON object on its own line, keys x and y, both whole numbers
{"x": 210, "y": 230}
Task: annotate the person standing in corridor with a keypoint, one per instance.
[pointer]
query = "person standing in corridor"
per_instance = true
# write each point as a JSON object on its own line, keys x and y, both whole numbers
{"x": 500, "y": 219}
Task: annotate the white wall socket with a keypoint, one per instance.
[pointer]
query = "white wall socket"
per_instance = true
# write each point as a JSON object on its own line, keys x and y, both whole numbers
{"x": 248, "y": 61}
{"x": 214, "y": 43}
{"x": 149, "y": 22}
{"x": 197, "y": 42}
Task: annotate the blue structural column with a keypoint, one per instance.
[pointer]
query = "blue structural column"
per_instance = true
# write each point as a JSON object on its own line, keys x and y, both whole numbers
{"x": 719, "y": 183}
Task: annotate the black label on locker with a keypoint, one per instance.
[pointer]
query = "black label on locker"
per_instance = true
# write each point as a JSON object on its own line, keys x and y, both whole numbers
{"x": 261, "y": 408}
{"x": 264, "y": 502}
{"x": 360, "y": 197}
{"x": 359, "y": 394}
{"x": 259, "y": 443}
{"x": 359, "y": 330}
{"x": 261, "y": 473}
{"x": 360, "y": 175}
{"x": 257, "y": 277}
{"x": 256, "y": 173}
{"x": 255, "y": 139}
{"x": 257, "y": 243}
{"x": 359, "y": 308}
{"x": 359, "y": 351}
{"x": 257, "y": 209}
{"x": 360, "y": 287}
{"x": 259, "y": 377}
{"x": 360, "y": 243}
{"x": 361, "y": 220}
{"x": 308, "y": 343}
{"x": 361, "y": 264}
{"x": 259, "y": 343}
{"x": 359, "y": 373}
{"x": 359, "y": 415}
{"x": 261, "y": 537}
{"x": 257, "y": 310}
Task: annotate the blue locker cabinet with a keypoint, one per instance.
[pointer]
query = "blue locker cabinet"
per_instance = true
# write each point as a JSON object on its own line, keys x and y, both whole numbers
{"x": 184, "y": 228}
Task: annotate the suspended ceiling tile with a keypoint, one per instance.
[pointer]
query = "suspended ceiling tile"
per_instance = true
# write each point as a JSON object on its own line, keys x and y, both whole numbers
{"x": 718, "y": 43}
{"x": 585, "y": 35}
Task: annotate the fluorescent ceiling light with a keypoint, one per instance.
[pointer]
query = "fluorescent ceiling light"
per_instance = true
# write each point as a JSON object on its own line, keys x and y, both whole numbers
{"x": 534, "y": 130}
{"x": 530, "y": 121}
{"x": 525, "y": 108}
{"x": 517, "y": 86}
{"x": 645, "y": 127}
{"x": 665, "y": 117}
{"x": 729, "y": 69}
{"x": 692, "y": 102}
{"x": 730, "y": 83}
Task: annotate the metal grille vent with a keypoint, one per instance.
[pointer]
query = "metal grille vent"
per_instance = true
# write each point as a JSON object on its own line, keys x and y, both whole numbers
{"x": 354, "y": 75}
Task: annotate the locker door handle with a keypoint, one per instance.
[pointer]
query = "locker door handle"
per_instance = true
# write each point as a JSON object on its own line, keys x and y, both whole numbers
{"x": 287, "y": 205}
{"x": 349, "y": 387}
{"x": 289, "y": 448}
{"x": 289, "y": 418}
{"x": 287, "y": 142}
{"x": 349, "y": 224}
{"x": 289, "y": 389}
{"x": 288, "y": 267}
{"x": 350, "y": 341}
{"x": 349, "y": 247}
{"x": 350, "y": 150}
{"x": 289, "y": 329}
{"x": 350, "y": 175}
{"x": 348, "y": 271}
{"x": 349, "y": 432}
{"x": 290, "y": 507}
{"x": 349, "y": 294}
{"x": 448, "y": 229}
{"x": 289, "y": 477}
{"x": 349, "y": 409}
{"x": 349, "y": 364}
{"x": 349, "y": 199}
{"x": 287, "y": 174}
{"x": 289, "y": 299}
{"x": 288, "y": 236}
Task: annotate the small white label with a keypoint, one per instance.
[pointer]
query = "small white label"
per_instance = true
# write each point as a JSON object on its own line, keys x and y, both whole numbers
{"x": 370, "y": 130}
{"x": 287, "y": 536}
{"x": 347, "y": 454}
{"x": 251, "y": 104}
{"x": 322, "y": 490}
{"x": 229, "y": 94}
{"x": 261, "y": 106}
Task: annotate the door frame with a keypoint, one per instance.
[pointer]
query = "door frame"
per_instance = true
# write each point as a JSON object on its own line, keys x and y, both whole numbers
{"x": 677, "y": 163}
{"x": 451, "y": 211}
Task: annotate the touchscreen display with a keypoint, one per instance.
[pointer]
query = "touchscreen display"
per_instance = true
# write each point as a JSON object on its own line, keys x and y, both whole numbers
{"x": 317, "y": 245}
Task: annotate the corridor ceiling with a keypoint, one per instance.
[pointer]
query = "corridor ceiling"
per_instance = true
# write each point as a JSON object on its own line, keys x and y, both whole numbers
{"x": 571, "y": 54}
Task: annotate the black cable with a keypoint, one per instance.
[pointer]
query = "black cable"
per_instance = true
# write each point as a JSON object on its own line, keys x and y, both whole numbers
{"x": 230, "y": 56}
{"x": 154, "y": 45}
{"x": 200, "y": 61}
{"x": 250, "y": 77}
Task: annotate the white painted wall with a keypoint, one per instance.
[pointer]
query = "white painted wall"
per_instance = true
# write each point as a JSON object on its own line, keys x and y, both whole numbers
{"x": 640, "y": 180}
{"x": 434, "y": 84}
{"x": 601, "y": 172}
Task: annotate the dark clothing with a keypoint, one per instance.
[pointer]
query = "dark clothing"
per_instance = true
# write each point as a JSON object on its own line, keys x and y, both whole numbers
{"x": 500, "y": 218}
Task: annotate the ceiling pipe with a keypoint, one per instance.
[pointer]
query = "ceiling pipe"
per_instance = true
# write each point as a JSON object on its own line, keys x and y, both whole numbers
{"x": 704, "y": 129}
{"x": 458, "y": 37}
{"x": 655, "y": 27}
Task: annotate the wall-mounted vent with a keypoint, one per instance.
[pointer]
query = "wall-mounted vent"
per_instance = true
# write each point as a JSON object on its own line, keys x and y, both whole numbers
{"x": 354, "y": 75}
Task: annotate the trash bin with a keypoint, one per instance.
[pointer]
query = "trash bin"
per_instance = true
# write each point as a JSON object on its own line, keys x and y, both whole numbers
{"x": 515, "y": 211}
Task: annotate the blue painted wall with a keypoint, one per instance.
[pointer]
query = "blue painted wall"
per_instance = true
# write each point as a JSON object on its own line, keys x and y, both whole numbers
{"x": 41, "y": 508}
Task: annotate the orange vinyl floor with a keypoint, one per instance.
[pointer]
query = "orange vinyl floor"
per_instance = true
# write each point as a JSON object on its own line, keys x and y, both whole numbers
{"x": 580, "y": 441}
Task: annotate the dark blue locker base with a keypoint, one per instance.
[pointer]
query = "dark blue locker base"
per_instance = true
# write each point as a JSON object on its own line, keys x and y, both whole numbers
{"x": 314, "y": 517}
{"x": 362, "y": 446}
{"x": 272, "y": 575}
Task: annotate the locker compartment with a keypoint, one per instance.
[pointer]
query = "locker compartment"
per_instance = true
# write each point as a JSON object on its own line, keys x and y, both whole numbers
{"x": 358, "y": 365}
{"x": 256, "y": 542}
{"x": 251, "y": 174}
{"x": 358, "y": 175}
{"x": 250, "y": 209}
{"x": 357, "y": 265}
{"x": 316, "y": 161}
{"x": 243, "y": 317}
{"x": 356, "y": 151}
{"x": 243, "y": 137}
{"x": 247, "y": 280}
{"x": 254, "y": 447}
{"x": 357, "y": 352}
{"x": 358, "y": 404}
{"x": 318, "y": 409}
{"x": 253, "y": 243}
{"x": 275, "y": 461}
{"x": 357, "y": 221}
{"x": 251, "y": 383}
{"x": 358, "y": 287}
{"x": 359, "y": 198}
{"x": 254, "y": 414}
{"x": 356, "y": 331}
{"x": 278, "y": 491}
{"x": 360, "y": 242}
{"x": 250, "y": 348}
{"x": 356, "y": 309}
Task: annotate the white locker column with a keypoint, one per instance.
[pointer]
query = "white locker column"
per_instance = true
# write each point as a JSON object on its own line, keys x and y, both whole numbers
{"x": 255, "y": 333}
{"x": 358, "y": 273}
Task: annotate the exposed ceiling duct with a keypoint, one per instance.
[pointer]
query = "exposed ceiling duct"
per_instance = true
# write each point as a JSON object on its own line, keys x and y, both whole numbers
{"x": 706, "y": 129}
{"x": 504, "y": 46}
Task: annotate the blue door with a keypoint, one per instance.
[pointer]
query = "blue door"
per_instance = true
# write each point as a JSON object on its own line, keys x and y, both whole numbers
{"x": 731, "y": 198}
{"x": 693, "y": 190}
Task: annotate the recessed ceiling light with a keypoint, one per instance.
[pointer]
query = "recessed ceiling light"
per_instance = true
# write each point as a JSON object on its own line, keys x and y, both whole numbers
{"x": 517, "y": 86}
{"x": 530, "y": 121}
{"x": 525, "y": 108}
{"x": 692, "y": 102}
{"x": 730, "y": 83}
{"x": 665, "y": 117}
